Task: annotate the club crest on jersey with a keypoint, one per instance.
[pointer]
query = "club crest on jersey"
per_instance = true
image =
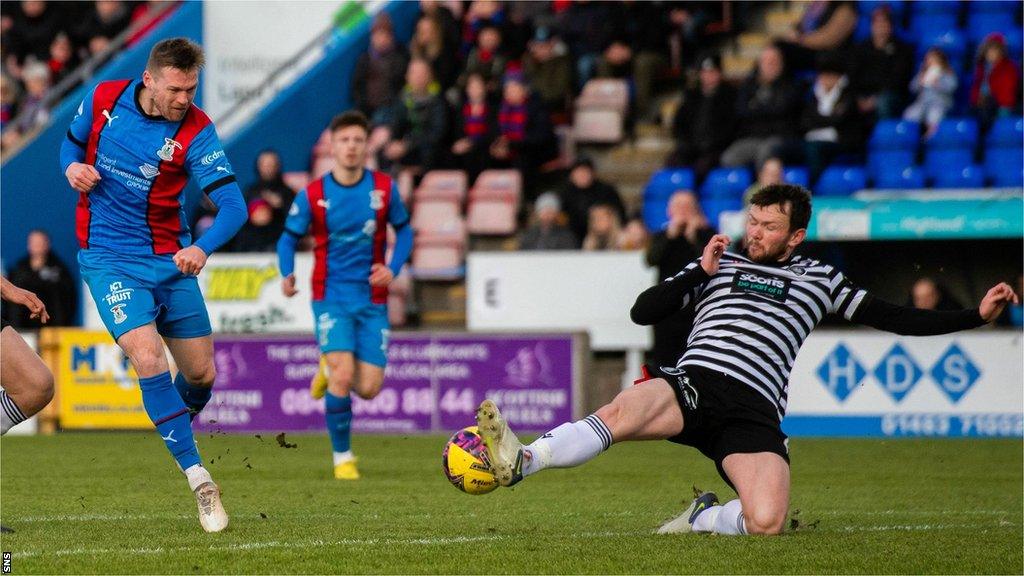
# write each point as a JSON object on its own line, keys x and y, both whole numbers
{"x": 376, "y": 199}
{"x": 370, "y": 227}
{"x": 166, "y": 152}
{"x": 119, "y": 315}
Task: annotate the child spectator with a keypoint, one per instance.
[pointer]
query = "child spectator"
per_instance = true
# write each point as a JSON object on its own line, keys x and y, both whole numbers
{"x": 546, "y": 231}
{"x": 996, "y": 85}
{"x": 934, "y": 84}
{"x": 604, "y": 230}
{"x": 477, "y": 125}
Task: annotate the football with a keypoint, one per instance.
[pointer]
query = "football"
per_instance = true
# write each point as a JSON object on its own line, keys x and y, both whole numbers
{"x": 464, "y": 461}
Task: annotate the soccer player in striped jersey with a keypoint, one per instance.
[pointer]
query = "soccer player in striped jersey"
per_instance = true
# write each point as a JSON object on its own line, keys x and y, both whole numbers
{"x": 726, "y": 396}
{"x": 129, "y": 153}
{"x": 26, "y": 384}
{"x": 348, "y": 210}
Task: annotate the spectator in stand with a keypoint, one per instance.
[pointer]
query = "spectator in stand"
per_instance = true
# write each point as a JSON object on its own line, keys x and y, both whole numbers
{"x": 379, "y": 73}
{"x": 687, "y": 22}
{"x": 604, "y": 229}
{"x": 927, "y": 294}
{"x": 32, "y": 112}
{"x": 62, "y": 60}
{"x": 831, "y": 121}
{"x": 770, "y": 172}
{"x": 525, "y": 140}
{"x": 480, "y": 13}
{"x": 8, "y": 100}
{"x": 523, "y": 18}
{"x": 634, "y": 234}
{"x": 582, "y": 191}
{"x": 546, "y": 230}
{"x": 639, "y": 49}
{"x": 428, "y": 44}
{"x": 486, "y": 58}
{"x": 31, "y": 33}
{"x": 671, "y": 249}
{"x": 42, "y": 272}
{"x": 882, "y": 68}
{"x": 767, "y": 110}
{"x": 477, "y": 128}
{"x": 144, "y": 11}
{"x": 995, "y": 90}
{"x": 270, "y": 186}
{"x": 588, "y": 29}
{"x": 935, "y": 84}
{"x": 261, "y": 230}
{"x": 107, "y": 19}
{"x": 705, "y": 123}
{"x": 826, "y": 26}
{"x": 447, "y": 22}
{"x": 1014, "y": 313}
{"x": 418, "y": 122}
{"x": 547, "y": 67}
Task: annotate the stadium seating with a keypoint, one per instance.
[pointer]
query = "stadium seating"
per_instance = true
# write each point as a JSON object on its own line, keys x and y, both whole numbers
{"x": 888, "y": 161}
{"x": 981, "y": 24}
{"x": 895, "y": 135}
{"x": 725, "y": 183}
{"x": 439, "y": 254}
{"x": 798, "y": 175}
{"x": 442, "y": 185}
{"x": 1005, "y": 167}
{"x": 908, "y": 178}
{"x": 601, "y": 111}
{"x": 937, "y": 161}
{"x": 494, "y": 202}
{"x": 668, "y": 181}
{"x": 1006, "y": 132}
{"x": 713, "y": 208}
{"x": 950, "y": 40}
{"x": 841, "y": 181}
{"x": 435, "y": 215}
{"x": 954, "y": 133}
{"x": 970, "y": 176}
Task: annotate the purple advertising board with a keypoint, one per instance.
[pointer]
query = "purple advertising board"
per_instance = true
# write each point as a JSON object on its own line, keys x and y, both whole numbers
{"x": 432, "y": 383}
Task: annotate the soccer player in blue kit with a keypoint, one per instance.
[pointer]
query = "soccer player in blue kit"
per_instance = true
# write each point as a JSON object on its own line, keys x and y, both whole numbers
{"x": 348, "y": 211}
{"x": 129, "y": 153}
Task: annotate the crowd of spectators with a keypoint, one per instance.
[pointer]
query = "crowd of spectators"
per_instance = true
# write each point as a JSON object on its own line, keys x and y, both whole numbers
{"x": 44, "y": 42}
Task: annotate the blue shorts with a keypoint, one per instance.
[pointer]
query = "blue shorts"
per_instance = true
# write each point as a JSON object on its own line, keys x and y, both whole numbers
{"x": 132, "y": 291}
{"x": 353, "y": 324}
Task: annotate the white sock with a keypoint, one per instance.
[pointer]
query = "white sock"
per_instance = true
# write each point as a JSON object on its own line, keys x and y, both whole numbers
{"x": 197, "y": 476}
{"x": 729, "y": 519}
{"x": 568, "y": 445}
{"x": 705, "y": 521}
{"x": 340, "y": 457}
{"x": 10, "y": 414}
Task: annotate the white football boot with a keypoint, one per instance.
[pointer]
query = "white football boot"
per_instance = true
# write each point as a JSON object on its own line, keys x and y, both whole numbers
{"x": 504, "y": 451}
{"x": 684, "y": 522}
{"x": 212, "y": 516}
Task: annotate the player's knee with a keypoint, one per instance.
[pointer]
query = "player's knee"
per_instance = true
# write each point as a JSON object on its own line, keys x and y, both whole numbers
{"x": 40, "y": 392}
{"x": 148, "y": 361}
{"x": 765, "y": 521}
{"x": 202, "y": 375}
{"x": 339, "y": 382}
{"x": 369, "y": 388}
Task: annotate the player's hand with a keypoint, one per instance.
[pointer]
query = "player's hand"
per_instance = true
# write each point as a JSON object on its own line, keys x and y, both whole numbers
{"x": 82, "y": 177}
{"x": 190, "y": 260}
{"x": 288, "y": 286}
{"x": 713, "y": 253}
{"x": 29, "y": 300}
{"x": 380, "y": 275}
{"x": 995, "y": 300}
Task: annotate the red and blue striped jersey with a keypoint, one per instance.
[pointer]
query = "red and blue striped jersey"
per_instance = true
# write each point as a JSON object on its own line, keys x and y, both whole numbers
{"x": 144, "y": 163}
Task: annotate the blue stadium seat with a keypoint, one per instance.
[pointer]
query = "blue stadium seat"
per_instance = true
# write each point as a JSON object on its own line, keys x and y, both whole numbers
{"x": 980, "y": 24}
{"x": 888, "y": 162}
{"x": 1005, "y": 167}
{"x": 898, "y": 7}
{"x": 951, "y": 41}
{"x": 725, "y": 183}
{"x": 946, "y": 160}
{"x": 1014, "y": 42}
{"x": 841, "y": 181}
{"x": 909, "y": 178}
{"x": 992, "y": 6}
{"x": 665, "y": 182}
{"x": 954, "y": 133}
{"x": 925, "y": 26}
{"x": 1006, "y": 132}
{"x": 798, "y": 175}
{"x": 895, "y": 135}
{"x": 971, "y": 176}
{"x": 713, "y": 208}
{"x": 654, "y": 213}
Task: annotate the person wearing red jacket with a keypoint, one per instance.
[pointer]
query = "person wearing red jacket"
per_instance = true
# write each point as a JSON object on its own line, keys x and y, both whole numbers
{"x": 996, "y": 86}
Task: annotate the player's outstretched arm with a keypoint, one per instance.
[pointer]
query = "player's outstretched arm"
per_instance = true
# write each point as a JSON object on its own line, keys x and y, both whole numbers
{"x": 662, "y": 300}
{"x": 908, "y": 321}
{"x": 15, "y": 295}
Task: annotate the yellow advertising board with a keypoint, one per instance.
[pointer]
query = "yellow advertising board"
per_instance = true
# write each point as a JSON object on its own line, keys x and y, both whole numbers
{"x": 97, "y": 386}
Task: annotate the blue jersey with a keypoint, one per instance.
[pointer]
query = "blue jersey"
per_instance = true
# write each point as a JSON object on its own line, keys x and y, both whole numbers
{"x": 349, "y": 228}
{"x": 144, "y": 163}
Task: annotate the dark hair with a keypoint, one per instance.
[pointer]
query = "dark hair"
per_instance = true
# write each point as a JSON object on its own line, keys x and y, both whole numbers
{"x": 792, "y": 200}
{"x": 178, "y": 53}
{"x": 350, "y": 118}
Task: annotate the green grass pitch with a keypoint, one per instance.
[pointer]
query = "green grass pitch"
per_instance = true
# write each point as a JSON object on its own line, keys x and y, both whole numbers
{"x": 114, "y": 503}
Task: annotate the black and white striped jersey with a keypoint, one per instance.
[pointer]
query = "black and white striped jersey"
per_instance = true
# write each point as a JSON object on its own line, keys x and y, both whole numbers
{"x": 751, "y": 319}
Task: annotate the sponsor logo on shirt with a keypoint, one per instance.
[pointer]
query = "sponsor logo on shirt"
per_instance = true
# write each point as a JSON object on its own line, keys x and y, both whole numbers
{"x": 118, "y": 294}
{"x": 212, "y": 157}
{"x": 376, "y": 199}
{"x": 761, "y": 284}
{"x": 149, "y": 171}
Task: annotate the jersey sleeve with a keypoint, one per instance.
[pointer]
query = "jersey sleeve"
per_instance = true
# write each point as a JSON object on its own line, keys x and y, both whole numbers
{"x": 206, "y": 161}
{"x": 846, "y": 296}
{"x": 78, "y": 132}
{"x": 398, "y": 216}
{"x": 299, "y": 215}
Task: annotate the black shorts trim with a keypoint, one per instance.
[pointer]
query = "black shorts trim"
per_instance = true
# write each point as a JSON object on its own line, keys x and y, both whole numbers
{"x": 722, "y": 416}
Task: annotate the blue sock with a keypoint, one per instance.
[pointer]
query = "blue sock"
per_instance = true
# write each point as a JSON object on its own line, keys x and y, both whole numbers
{"x": 195, "y": 397}
{"x": 338, "y": 412}
{"x": 170, "y": 416}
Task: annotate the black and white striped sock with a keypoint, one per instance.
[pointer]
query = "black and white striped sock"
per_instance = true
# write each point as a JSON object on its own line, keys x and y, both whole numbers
{"x": 10, "y": 414}
{"x": 602, "y": 431}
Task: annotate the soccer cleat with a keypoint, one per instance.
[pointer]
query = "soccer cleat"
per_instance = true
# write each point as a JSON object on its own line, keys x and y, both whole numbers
{"x": 504, "y": 451}
{"x": 346, "y": 470}
{"x": 211, "y": 512}
{"x": 318, "y": 385}
{"x": 684, "y": 522}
